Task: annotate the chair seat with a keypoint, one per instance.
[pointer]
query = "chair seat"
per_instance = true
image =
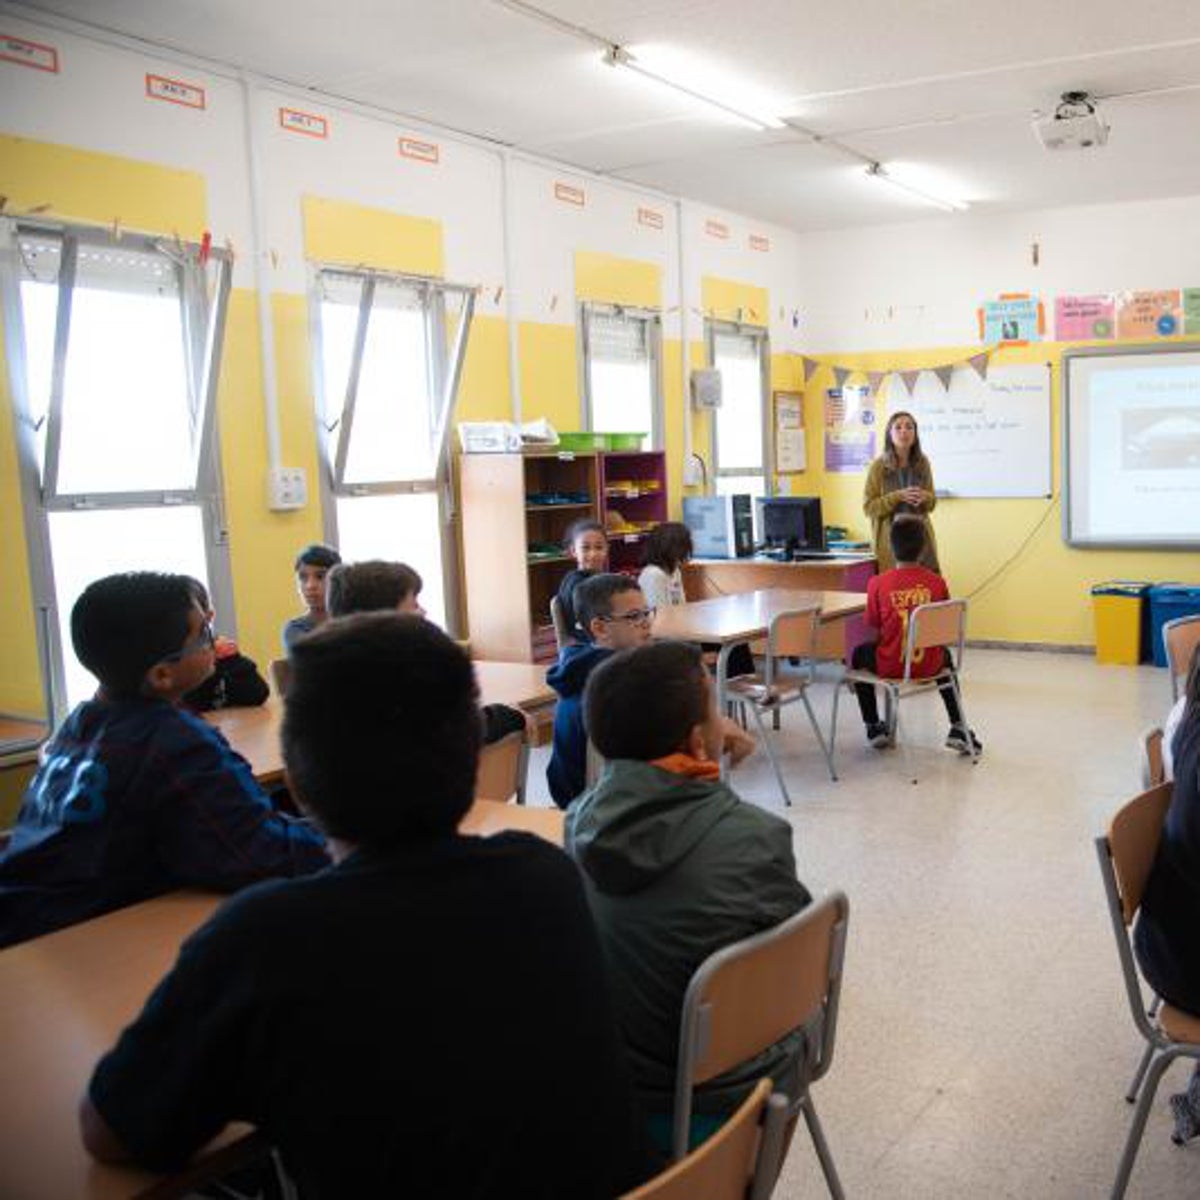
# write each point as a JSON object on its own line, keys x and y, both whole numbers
{"x": 1178, "y": 1025}
{"x": 754, "y": 688}
{"x": 905, "y": 688}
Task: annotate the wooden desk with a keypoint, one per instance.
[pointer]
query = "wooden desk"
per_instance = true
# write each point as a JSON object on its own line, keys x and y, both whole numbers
{"x": 704, "y": 578}
{"x": 728, "y": 621}
{"x": 64, "y": 998}
{"x": 254, "y": 732}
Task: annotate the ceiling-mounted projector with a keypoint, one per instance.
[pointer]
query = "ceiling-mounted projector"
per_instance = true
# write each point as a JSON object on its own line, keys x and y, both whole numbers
{"x": 1074, "y": 125}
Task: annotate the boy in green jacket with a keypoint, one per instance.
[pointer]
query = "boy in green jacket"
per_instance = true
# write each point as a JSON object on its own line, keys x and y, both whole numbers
{"x": 675, "y": 867}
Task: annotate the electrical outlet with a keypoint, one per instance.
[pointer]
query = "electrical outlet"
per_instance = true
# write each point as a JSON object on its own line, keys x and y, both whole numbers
{"x": 287, "y": 489}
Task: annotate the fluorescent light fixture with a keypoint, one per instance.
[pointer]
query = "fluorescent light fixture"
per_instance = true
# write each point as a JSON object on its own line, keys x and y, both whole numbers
{"x": 703, "y": 83}
{"x": 903, "y": 181}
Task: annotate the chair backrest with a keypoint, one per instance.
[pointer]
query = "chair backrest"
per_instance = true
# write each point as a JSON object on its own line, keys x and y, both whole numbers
{"x": 792, "y": 634}
{"x": 502, "y": 769}
{"x": 1154, "y": 770}
{"x": 562, "y": 635}
{"x": 739, "y": 1162}
{"x": 281, "y": 675}
{"x": 747, "y": 996}
{"x": 940, "y": 623}
{"x": 1126, "y": 854}
{"x": 1181, "y": 637}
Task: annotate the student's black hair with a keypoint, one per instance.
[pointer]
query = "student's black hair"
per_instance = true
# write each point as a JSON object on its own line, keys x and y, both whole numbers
{"x": 594, "y": 597}
{"x": 317, "y": 555}
{"x": 669, "y": 546}
{"x": 1189, "y": 724}
{"x": 908, "y": 537}
{"x": 577, "y": 529}
{"x": 371, "y": 586}
{"x": 642, "y": 703}
{"x": 382, "y": 728}
{"x": 122, "y": 625}
{"x": 199, "y": 592}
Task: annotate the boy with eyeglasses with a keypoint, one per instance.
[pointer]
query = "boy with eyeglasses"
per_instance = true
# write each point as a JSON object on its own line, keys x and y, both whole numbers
{"x": 136, "y": 796}
{"x": 611, "y": 613}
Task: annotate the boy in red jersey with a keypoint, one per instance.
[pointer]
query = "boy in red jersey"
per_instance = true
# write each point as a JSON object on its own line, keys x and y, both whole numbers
{"x": 890, "y": 598}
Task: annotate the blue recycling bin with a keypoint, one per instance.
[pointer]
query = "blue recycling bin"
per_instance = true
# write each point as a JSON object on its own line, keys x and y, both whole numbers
{"x": 1167, "y": 602}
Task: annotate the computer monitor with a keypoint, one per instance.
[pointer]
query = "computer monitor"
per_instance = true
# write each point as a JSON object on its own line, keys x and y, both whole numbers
{"x": 791, "y": 523}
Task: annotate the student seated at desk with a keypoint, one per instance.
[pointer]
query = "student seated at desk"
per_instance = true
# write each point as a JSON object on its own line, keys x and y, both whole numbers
{"x": 675, "y": 865}
{"x": 1167, "y": 935}
{"x": 890, "y": 598}
{"x": 136, "y": 796}
{"x": 612, "y": 615}
{"x": 378, "y": 586}
{"x": 235, "y": 681}
{"x": 428, "y": 1018}
{"x": 587, "y": 543}
{"x": 312, "y": 564}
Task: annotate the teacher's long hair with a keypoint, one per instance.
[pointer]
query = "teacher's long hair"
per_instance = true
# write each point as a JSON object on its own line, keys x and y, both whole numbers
{"x": 916, "y": 456}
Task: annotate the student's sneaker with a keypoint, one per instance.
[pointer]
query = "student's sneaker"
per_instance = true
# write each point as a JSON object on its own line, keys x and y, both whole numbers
{"x": 878, "y": 736}
{"x": 1185, "y": 1108}
{"x": 963, "y": 740}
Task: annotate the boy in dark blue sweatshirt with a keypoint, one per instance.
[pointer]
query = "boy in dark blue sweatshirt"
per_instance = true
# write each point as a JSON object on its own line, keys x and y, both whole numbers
{"x": 611, "y": 612}
{"x": 136, "y": 796}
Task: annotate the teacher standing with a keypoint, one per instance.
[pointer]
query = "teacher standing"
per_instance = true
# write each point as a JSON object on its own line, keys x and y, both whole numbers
{"x": 900, "y": 481}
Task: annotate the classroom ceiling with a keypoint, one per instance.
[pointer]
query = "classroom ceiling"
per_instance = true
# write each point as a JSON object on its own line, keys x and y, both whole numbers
{"x": 946, "y": 88}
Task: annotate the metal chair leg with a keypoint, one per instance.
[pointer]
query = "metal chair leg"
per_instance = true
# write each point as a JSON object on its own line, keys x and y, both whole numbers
{"x": 812, "y": 720}
{"x": 1135, "y": 1084}
{"x": 837, "y": 692}
{"x": 766, "y": 741}
{"x": 822, "y": 1147}
{"x": 1137, "y": 1127}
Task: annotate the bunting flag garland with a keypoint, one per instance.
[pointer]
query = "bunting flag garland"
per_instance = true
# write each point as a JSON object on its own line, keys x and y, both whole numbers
{"x": 875, "y": 381}
{"x": 945, "y": 374}
{"x": 809, "y": 366}
{"x": 979, "y": 363}
{"x": 910, "y": 379}
{"x": 840, "y": 375}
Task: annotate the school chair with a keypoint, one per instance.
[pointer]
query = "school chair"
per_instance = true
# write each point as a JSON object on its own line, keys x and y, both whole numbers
{"x": 503, "y": 767}
{"x": 1180, "y": 638}
{"x": 1153, "y": 769}
{"x": 1126, "y": 853}
{"x": 791, "y": 634}
{"x": 562, "y": 635}
{"x": 942, "y": 623}
{"x": 747, "y": 996}
{"x": 281, "y": 675}
{"x": 740, "y": 1161}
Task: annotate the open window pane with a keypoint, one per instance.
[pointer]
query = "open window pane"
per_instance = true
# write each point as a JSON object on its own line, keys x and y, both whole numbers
{"x": 740, "y": 417}
{"x": 404, "y": 528}
{"x": 88, "y": 545}
{"x": 621, "y": 370}
{"x": 39, "y": 302}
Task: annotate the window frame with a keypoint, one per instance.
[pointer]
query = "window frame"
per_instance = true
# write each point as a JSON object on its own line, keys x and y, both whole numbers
{"x": 444, "y": 369}
{"x": 588, "y": 309}
{"x": 203, "y": 326}
{"x": 762, "y": 340}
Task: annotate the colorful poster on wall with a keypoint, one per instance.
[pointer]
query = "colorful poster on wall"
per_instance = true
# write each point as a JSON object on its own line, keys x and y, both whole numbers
{"x": 1149, "y": 314}
{"x": 1191, "y": 310}
{"x": 1082, "y": 318}
{"x": 849, "y": 429}
{"x": 1012, "y": 319}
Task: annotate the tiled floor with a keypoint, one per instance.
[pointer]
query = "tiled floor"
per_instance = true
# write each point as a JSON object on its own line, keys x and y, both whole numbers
{"x": 984, "y": 1044}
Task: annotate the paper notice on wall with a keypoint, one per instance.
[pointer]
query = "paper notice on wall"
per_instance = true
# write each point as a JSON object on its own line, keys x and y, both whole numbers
{"x": 1149, "y": 314}
{"x": 1191, "y": 310}
{"x": 849, "y": 429}
{"x": 790, "y": 448}
{"x": 1013, "y": 319}
{"x": 1083, "y": 318}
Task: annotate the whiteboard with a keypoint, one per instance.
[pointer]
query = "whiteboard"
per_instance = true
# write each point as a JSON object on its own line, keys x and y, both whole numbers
{"x": 985, "y": 437}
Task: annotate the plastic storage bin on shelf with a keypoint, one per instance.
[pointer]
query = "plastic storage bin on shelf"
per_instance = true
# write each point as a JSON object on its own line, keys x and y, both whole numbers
{"x": 1167, "y": 602}
{"x": 1122, "y": 617}
{"x": 625, "y": 441}
{"x": 581, "y": 442}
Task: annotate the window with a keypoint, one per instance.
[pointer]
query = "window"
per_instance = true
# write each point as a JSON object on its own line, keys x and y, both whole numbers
{"x": 621, "y": 376}
{"x": 390, "y": 351}
{"x": 739, "y": 434}
{"x": 114, "y": 349}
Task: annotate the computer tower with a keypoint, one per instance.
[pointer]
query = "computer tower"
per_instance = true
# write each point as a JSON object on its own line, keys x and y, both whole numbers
{"x": 722, "y": 526}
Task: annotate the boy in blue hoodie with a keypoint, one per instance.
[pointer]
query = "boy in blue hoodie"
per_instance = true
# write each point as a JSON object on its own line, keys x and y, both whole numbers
{"x": 612, "y": 615}
{"x": 136, "y": 796}
{"x": 675, "y": 866}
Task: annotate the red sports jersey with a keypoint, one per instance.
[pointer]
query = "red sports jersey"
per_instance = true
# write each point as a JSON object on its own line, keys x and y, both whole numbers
{"x": 890, "y": 598}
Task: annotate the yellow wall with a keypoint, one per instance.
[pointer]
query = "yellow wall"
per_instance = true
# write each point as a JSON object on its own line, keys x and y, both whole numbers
{"x": 1043, "y": 595}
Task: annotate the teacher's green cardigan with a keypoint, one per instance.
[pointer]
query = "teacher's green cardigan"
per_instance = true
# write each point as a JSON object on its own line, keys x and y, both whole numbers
{"x": 881, "y": 502}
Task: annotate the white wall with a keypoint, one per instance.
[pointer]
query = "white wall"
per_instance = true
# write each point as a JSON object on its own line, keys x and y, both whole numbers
{"x": 907, "y": 286}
